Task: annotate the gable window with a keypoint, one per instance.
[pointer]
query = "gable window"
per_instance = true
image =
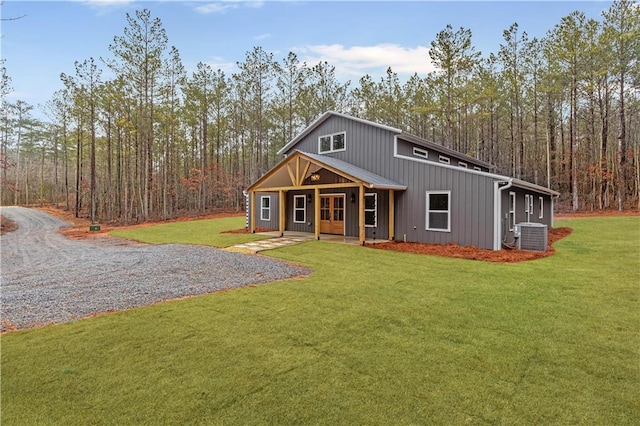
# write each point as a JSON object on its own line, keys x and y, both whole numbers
{"x": 265, "y": 208}
{"x": 332, "y": 143}
{"x": 462, "y": 164}
{"x": 541, "y": 212}
{"x": 420, "y": 153}
{"x": 299, "y": 209}
{"x": 439, "y": 211}
{"x": 444, "y": 160}
{"x": 512, "y": 210}
{"x": 371, "y": 210}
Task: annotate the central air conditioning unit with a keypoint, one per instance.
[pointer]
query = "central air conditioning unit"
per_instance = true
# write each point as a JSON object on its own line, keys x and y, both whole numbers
{"x": 531, "y": 236}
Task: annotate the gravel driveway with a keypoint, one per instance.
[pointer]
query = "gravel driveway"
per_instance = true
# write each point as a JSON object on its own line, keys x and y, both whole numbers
{"x": 48, "y": 278}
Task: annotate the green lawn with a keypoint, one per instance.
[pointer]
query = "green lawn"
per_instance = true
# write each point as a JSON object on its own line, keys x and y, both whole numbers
{"x": 371, "y": 337}
{"x": 205, "y": 232}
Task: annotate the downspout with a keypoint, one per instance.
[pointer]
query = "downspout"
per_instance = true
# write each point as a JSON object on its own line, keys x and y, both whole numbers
{"x": 497, "y": 209}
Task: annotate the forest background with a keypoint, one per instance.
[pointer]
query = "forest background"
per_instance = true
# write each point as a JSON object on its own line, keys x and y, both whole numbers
{"x": 152, "y": 142}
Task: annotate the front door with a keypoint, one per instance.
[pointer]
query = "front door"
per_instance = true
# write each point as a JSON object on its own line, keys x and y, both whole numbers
{"x": 332, "y": 214}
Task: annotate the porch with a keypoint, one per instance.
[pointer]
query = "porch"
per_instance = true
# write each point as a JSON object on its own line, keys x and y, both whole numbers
{"x": 336, "y": 200}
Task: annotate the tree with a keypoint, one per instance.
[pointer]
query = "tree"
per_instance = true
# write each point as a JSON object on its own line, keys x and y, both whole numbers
{"x": 139, "y": 55}
{"x": 454, "y": 55}
{"x": 622, "y": 36}
{"x": 89, "y": 79}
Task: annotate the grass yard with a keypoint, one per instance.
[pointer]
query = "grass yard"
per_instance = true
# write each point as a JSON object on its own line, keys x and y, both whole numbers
{"x": 371, "y": 337}
{"x": 204, "y": 232}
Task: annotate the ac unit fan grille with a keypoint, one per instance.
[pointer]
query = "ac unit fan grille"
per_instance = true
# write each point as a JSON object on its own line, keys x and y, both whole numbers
{"x": 533, "y": 237}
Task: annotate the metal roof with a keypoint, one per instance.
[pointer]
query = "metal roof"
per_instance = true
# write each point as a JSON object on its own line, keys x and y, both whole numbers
{"x": 374, "y": 180}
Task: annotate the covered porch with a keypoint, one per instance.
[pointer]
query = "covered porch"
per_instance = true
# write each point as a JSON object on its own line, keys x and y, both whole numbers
{"x": 327, "y": 197}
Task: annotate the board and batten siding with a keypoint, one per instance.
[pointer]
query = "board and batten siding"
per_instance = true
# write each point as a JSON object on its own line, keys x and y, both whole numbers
{"x": 368, "y": 147}
{"x": 471, "y": 205}
{"x": 372, "y": 148}
{"x": 272, "y": 223}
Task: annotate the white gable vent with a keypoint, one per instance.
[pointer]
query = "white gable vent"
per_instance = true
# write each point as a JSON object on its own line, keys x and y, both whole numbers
{"x": 533, "y": 236}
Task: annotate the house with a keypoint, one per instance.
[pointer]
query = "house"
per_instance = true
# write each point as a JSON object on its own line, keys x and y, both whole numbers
{"x": 348, "y": 176}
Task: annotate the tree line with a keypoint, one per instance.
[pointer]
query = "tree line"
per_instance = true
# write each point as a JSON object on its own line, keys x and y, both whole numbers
{"x": 152, "y": 142}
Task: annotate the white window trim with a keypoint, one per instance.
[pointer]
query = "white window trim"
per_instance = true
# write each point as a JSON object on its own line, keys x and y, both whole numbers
{"x": 303, "y": 208}
{"x": 374, "y": 210}
{"x": 320, "y": 151}
{"x": 512, "y": 210}
{"x": 477, "y": 168}
{"x": 528, "y": 206}
{"x": 420, "y": 152}
{"x": 541, "y": 213}
{"x": 444, "y": 160}
{"x": 462, "y": 164}
{"x": 448, "y": 193}
{"x": 265, "y": 209}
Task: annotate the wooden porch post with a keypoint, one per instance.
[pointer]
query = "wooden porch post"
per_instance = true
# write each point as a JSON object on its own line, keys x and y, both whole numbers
{"x": 361, "y": 215}
{"x": 253, "y": 212}
{"x": 392, "y": 214}
{"x": 316, "y": 212}
{"x": 281, "y": 211}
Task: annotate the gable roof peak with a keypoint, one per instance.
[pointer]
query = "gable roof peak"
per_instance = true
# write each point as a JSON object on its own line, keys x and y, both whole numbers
{"x": 326, "y": 115}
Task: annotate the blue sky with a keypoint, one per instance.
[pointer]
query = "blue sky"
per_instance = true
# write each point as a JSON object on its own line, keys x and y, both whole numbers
{"x": 356, "y": 37}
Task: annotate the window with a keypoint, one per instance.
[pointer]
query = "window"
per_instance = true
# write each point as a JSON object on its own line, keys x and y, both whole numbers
{"x": 265, "y": 208}
{"x": 420, "y": 153}
{"x": 438, "y": 211}
{"x": 332, "y": 143}
{"x": 299, "y": 209}
{"x": 541, "y": 212}
{"x": 512, "y": 210}
{"x": 462, "y": 164}
{"x": 444, "y": 160}
{"x": 371, "y": 210}
{"x": 477, "y": 168}
{"x": 528, "y": 206}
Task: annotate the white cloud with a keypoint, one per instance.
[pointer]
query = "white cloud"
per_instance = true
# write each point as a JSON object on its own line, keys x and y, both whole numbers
{"x": 355, "y": 61}
{"x": 214, "y": 8}
{"x": 225, "y": 5}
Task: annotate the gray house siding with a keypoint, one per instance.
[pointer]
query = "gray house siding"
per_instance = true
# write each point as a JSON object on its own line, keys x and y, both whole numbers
{"x": 272, "y": 223}
{"x": 471, "y": 205}
{"x": 291, "y": 225}
{"x": 406, "y": 149}
{"x": 367, "y": 146}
